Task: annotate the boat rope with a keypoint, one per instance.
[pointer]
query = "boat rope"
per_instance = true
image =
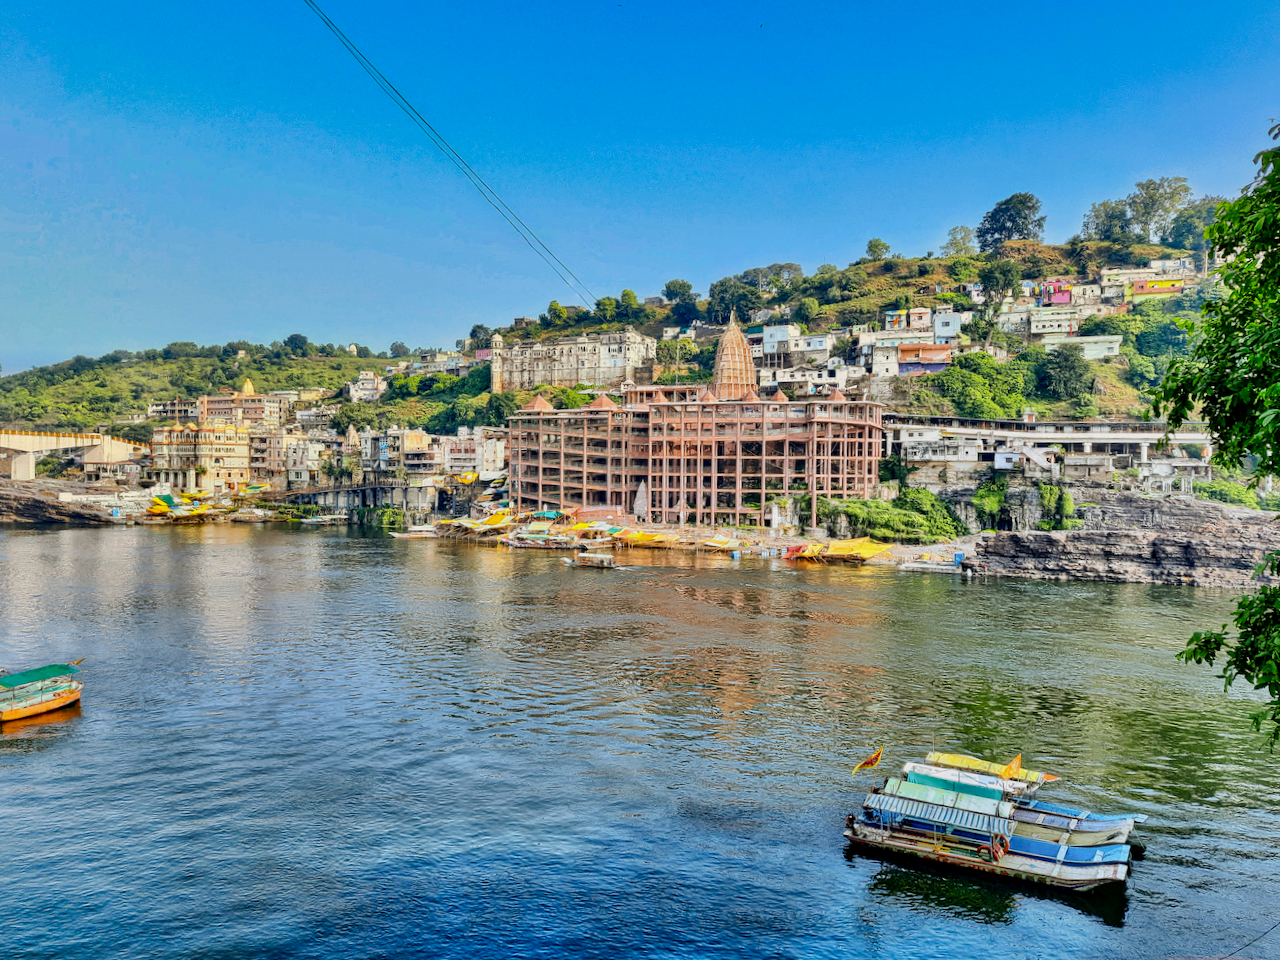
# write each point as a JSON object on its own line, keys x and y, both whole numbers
{"x": 1225, "y": 956}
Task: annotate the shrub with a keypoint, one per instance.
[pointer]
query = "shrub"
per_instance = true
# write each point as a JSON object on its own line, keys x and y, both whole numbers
{"x": 1224, "y": 491}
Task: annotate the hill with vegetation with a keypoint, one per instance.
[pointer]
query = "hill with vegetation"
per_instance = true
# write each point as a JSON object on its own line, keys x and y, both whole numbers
{"x": 1000, "y": 253}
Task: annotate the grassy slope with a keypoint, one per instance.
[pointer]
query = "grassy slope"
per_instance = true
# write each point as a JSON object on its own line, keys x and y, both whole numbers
{"x": 121, "y": 389}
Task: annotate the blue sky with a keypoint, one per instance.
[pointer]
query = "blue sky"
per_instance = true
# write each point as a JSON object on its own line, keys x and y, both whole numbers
{"x": 226, "y": 171}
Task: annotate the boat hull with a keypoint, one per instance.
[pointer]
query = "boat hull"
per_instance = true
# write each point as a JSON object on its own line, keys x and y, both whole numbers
{"x": 41, "y": 702}
{"x": 1062, "y": 876}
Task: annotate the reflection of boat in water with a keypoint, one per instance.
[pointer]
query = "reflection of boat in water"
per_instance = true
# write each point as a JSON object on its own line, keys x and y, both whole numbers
{"x": 963, "y": 812}
{"x": 37, "y": 691}
{"x": 955, "y": 890}
{"x": 601, "y": 561}
{"x": 423, "y": 532}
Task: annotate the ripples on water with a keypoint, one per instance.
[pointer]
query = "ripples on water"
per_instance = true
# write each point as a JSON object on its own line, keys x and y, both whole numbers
{"x": 295, "y": 743}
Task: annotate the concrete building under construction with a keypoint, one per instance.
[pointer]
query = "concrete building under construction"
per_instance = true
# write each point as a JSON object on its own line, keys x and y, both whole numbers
{"x": 713, "y": 454}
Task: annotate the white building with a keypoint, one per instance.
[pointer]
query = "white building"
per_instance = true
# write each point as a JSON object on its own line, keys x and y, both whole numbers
{"x": 366, "y": 388}
{"x": 1094, "y": 348}
{"x": 600, "y": 359}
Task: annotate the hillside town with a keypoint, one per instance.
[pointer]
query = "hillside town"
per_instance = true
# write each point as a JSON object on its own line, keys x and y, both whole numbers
{"x": 787, "y": 410}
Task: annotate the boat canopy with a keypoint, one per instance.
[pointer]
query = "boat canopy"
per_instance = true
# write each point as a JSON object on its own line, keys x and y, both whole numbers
{"x": 11, "y": 680}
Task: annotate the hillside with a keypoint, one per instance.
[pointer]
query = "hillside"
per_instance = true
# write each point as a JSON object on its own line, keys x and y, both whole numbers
{"x": 80, "y": 393}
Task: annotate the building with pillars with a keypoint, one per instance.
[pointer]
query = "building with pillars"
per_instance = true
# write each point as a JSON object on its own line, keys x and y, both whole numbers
{"x": 208, "y": 456}
{"x": 717, "y": 454}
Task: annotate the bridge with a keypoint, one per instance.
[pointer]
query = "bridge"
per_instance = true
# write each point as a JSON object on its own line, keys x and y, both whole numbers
{"x": 99, "y": 449}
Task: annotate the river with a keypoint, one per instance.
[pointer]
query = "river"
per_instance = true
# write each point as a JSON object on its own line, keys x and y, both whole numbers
{"x": 308, "y": 743}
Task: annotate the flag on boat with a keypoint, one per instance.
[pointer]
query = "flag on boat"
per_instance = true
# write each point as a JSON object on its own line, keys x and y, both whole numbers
{"x": 1011, "y": 768}
{"x": 869, "y": 763}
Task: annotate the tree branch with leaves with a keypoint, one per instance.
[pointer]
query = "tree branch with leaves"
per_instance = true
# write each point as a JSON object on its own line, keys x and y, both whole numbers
{"x": 1232, "y": 376}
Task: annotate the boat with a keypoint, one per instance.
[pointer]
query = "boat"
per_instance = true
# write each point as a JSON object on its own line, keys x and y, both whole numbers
{"x": 324, "y": 520}
{"x": 602, "y": 561}
{"x": 423, "y": 532}
{"x": 38, "y": 690}
{"x": 969, "y": 812}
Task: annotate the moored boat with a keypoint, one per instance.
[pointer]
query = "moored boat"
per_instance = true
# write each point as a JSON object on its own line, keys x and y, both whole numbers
{"x": 421, "y": 532}
{"x": 968, "y": 812}
{"x": 601, "y": 561}
{"x": 39, "y": 690}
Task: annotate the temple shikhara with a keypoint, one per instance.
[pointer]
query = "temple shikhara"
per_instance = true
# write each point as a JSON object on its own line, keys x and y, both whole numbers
{"x": 715, "y": 454}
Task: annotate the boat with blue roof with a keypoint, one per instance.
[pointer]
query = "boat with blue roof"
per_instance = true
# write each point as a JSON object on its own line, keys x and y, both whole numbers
{"x": 969, "y": 812}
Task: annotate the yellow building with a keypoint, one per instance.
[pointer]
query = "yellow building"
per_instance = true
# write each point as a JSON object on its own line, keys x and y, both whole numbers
{"x": 207, "y": 456}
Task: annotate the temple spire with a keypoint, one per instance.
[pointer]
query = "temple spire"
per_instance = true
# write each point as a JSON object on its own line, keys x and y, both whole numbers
{"x": 735, "y": 371}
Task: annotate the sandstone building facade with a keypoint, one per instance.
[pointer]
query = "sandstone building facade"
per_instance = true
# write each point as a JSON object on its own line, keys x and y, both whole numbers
{"x": 712, "y": 455}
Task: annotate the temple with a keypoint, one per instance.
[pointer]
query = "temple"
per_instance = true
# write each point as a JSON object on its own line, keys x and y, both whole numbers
{"x": 713, "y": 454}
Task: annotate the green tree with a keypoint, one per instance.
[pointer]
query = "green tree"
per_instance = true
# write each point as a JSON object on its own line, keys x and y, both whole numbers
{"x": 399, "y": 350}
{"x": 805, "y": 310}
{"x": 877, "y": 249}
{"x": 481, "y": 336}
{"x": 1186, "y": 230}
{"x": 1154, "y": 203}
{"x": 959, "y": 243}
{"x": 1013, "y": 218}
{"x": 731, "y": 294}
{"x": 1109, "y": 220}
{"x": 296, "y": 344}
{"x": 1233, "y": 375}
{"x": 999, "y": 278}
{"x": 629, "y": 307}
{"x": 1065, "y": 373}
{"x": 606, "y": 310}
{"x": 557, "y": 316}
{"x": 676, "y": 290}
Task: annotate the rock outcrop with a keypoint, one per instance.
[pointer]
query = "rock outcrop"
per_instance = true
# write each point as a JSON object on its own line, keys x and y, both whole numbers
{"x": 1133, "y": 538}
{"x": 26, "y": 503}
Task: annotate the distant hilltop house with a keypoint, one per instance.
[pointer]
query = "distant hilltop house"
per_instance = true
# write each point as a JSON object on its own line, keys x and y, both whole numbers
{"x": 601, "y": 359}
{"x": 366, "y": 388}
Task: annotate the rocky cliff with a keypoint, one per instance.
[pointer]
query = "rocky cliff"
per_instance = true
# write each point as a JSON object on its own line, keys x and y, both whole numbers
{"x": 1130, "y": 537}
{"x": 21, "y": 503}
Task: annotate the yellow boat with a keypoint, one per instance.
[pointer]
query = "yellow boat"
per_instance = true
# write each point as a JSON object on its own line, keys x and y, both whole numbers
{"x": 36, "y": 691}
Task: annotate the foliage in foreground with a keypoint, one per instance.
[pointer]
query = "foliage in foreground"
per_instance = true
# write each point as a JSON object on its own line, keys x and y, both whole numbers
{"x": 1233, "y": 375}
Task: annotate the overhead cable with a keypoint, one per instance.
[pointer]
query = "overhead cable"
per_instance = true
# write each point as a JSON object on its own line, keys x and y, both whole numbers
{"x": 490, "y": 195}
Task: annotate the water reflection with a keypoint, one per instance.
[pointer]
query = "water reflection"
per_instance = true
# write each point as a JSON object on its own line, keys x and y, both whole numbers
{"x": 941, "y": 889}
{"x": 334, "y": 745}
{"x": 41, "y": 731}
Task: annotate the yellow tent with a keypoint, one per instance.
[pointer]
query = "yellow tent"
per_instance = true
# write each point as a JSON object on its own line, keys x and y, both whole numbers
{"x": 811, "y": 551}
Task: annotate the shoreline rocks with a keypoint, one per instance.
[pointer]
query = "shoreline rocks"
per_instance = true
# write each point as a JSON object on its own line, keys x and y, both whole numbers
{"x": 1131, "y": 538}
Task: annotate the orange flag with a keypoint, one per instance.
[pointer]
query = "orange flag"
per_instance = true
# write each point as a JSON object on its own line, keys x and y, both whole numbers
{"x": 1011, "y": 770}
{"x": 870, "y": 762}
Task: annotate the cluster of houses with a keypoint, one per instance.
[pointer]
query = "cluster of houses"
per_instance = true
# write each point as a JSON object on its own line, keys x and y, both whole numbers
{"x": 238, "y": 439}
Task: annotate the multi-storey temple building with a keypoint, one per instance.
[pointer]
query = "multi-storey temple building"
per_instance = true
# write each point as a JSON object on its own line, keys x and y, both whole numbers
{"x": 715, "y": 454}
{"x": 604, "y": 359}
{"x": 210, "y": 456}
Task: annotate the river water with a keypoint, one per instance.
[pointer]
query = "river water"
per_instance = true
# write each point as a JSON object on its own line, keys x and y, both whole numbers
{"x": 307, "y": 743}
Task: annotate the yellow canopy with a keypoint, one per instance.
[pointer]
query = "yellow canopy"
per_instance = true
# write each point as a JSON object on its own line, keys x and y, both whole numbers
{"x": 811, "y": 551}
{"x": 721, "y": 542}
{"x": 861, "y": 547}
{"x": 539, "y": 527}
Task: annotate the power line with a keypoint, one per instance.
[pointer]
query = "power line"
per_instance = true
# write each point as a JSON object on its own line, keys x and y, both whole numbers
{"x": 490, "y": 195}
{"x": 1251, "y": 942}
